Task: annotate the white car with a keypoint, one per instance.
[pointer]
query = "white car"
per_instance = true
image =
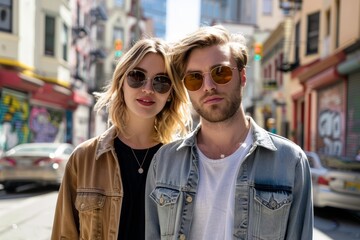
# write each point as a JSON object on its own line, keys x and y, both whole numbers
{"x": 336, "y": 181}
{"x": 40, "y": 163}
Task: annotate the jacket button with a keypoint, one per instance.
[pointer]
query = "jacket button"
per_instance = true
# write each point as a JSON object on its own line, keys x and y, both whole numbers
{"x": 182, "y": 237}
{"x": 189, "y": 199}
{"x": 161, "y": 200}
{"x": 273, "y": 204}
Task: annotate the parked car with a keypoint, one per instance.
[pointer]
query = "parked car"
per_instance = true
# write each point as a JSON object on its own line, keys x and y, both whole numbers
{"x": 39, "y": 163}
{"x": 336, "y": 181}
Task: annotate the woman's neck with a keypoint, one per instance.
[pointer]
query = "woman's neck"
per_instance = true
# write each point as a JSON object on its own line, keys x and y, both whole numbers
{"x": 139, "y": 133}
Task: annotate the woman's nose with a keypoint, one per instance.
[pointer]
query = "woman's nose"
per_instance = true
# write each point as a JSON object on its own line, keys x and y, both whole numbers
{"x": 148, "y": 88}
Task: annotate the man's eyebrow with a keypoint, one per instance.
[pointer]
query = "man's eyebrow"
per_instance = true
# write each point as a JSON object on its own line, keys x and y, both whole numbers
{"x": 212, "y": 67}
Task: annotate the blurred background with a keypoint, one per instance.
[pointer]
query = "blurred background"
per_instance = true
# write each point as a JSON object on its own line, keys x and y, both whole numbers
{"x": 303, "y": 78}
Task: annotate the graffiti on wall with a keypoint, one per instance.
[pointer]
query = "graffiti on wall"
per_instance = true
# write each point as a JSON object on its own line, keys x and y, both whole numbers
{"x": 331, "y": 131}
{"x": 47, "y": 125}
{"x": 14, "y": 113}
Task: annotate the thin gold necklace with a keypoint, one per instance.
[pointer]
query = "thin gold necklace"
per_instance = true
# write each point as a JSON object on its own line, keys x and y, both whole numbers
{"x": 140, "y": 170}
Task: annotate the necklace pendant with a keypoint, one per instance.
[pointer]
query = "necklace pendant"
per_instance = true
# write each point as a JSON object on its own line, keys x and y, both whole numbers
{"x": 140, "y": 170}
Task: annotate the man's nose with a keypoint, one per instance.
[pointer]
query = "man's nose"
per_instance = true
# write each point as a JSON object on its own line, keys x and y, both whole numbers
{"x": 208, "y": 82}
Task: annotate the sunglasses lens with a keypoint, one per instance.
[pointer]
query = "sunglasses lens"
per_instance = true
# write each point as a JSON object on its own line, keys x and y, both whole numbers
{"x": 193, "y": 81}
{"x": 221, "y": 74}
{"x": 136, "y": 78}
{"x": 161, "y": 84}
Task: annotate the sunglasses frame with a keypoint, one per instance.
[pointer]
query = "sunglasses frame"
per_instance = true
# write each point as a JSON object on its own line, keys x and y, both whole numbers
{"x": 144, "y": 81}
{"x": 203, "y": 76}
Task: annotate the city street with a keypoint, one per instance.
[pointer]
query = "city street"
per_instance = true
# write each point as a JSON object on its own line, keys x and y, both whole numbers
{"x": 28, "y": 215}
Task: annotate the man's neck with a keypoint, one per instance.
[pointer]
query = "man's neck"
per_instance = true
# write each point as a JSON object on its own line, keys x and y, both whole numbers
{"x": 222, "y": 138}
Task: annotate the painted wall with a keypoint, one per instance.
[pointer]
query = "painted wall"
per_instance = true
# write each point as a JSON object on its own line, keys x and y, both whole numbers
{"x": 331, "y": 120}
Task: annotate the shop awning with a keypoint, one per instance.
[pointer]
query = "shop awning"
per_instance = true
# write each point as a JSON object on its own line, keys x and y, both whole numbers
{"x": 19, "y": 81}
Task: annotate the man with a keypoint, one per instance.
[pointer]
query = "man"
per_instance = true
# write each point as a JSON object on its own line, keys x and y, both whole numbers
{"x": 230, "y": 178}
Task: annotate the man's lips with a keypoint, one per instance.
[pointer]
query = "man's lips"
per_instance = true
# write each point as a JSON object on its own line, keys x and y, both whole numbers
{"x": 213, "y": 99}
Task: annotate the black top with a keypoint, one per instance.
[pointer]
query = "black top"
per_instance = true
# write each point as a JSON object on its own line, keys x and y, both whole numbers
{"x": 132, "y": 219}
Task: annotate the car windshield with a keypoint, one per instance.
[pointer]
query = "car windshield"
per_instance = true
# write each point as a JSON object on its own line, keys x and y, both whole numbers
{"x": 340, "y": 163}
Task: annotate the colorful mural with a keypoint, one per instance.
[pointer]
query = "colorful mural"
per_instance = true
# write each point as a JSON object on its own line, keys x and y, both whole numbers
{"x": 14, "y": 113}
{"x": 47, "y": 125}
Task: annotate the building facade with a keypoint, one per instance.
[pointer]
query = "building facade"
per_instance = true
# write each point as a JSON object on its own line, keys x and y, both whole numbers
{"x": 322, "y": 65}
{"x": 42, "y": 60}
{"x": 155, "y": 13}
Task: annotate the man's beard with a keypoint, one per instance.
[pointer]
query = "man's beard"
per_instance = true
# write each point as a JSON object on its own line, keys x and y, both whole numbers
{"x": 218, "y": 113}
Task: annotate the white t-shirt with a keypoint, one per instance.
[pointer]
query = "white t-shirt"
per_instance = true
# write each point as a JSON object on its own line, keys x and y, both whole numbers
{"x": 214, "y": 202}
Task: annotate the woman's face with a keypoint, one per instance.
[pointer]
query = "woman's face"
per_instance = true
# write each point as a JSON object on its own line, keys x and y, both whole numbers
{"x": 144, "y": 101}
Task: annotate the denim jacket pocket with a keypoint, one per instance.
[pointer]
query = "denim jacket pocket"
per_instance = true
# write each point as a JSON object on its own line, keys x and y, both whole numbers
{"x": 166, "y": 200}
{"x": 271, "y": 211}
{"x": 90, "y": 208}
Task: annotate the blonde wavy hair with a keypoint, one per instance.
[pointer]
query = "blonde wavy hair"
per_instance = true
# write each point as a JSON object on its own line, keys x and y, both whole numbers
{"x": 173, "y": 121}
{"x": 207, "y": 36}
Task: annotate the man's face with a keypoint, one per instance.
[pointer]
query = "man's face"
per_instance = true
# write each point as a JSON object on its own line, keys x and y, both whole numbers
{"x": 215, "y": 102}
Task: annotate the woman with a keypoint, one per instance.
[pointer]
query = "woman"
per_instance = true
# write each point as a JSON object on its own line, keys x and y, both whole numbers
{"x": 103, "y": 189}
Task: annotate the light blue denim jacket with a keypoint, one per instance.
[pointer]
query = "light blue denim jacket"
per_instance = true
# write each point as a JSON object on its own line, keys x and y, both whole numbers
{"x": 273, "y": 196}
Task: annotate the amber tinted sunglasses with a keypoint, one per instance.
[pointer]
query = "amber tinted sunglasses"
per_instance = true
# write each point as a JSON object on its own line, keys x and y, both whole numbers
{"x": 219, "y": 74}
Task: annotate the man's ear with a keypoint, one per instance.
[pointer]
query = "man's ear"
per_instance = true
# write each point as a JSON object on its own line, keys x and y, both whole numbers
{"x": 243, "y": 77}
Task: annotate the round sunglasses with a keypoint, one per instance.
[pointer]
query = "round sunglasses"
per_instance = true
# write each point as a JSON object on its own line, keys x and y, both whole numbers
{"x": 160, "y": 83}
{"x": 220, "y": 75}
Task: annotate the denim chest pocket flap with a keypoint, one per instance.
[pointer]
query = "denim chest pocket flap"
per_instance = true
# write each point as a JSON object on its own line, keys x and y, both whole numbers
{"x": 89, "y": 201}
{"x": 274, "y": 198}
{"x": 165, "y": 196}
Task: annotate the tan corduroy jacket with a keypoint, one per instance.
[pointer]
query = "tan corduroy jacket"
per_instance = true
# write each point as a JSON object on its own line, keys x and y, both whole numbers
{"x": 90, "y": 196}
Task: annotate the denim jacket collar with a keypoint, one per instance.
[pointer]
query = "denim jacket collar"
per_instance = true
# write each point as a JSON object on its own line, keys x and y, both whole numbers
{"x": 106, "y": 142}
{"x": 260, "y": 137}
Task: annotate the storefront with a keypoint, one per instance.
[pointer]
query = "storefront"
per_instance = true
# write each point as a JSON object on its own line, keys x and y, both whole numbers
{"x": 32, "y": 110}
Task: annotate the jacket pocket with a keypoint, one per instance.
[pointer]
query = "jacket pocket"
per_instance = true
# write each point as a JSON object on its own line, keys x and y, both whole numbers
{"x": 271, "y": 211}
{"x": 90, "y": 208}
{"x": 166, "y": 200}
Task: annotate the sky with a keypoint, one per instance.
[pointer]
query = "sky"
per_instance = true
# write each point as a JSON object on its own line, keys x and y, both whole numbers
{"x": 183, "y": 16}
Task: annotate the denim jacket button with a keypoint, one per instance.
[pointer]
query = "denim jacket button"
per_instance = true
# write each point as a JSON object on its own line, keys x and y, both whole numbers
{"x": 273, "y": 204}
{"x": 182, "y": 237}
{"x": 161, "y": 200}
{"x": 189, "y": 199}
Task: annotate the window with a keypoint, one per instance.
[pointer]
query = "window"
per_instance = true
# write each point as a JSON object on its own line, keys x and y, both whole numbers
{"x": 328, "y": 22}
{"x": 64, "y": 43}
{"x": 337, "y": 34}
{"x": 118, "y": 33}
{"x": 267, "y": 7}
{"x": 311, "y": 161}
{"x": 312, "y": 42}
{"x": 5, "y": 15}
{"x": 297, "y": 43}
{"x": 119, "y": 3}
{"x": 49, "y": 36}
{"x": 100, "y": 32}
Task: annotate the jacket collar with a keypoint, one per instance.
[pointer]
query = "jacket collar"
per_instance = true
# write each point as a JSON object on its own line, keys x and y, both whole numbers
{"x": 106, "y": 141}
{"x": 261, "y": 137}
